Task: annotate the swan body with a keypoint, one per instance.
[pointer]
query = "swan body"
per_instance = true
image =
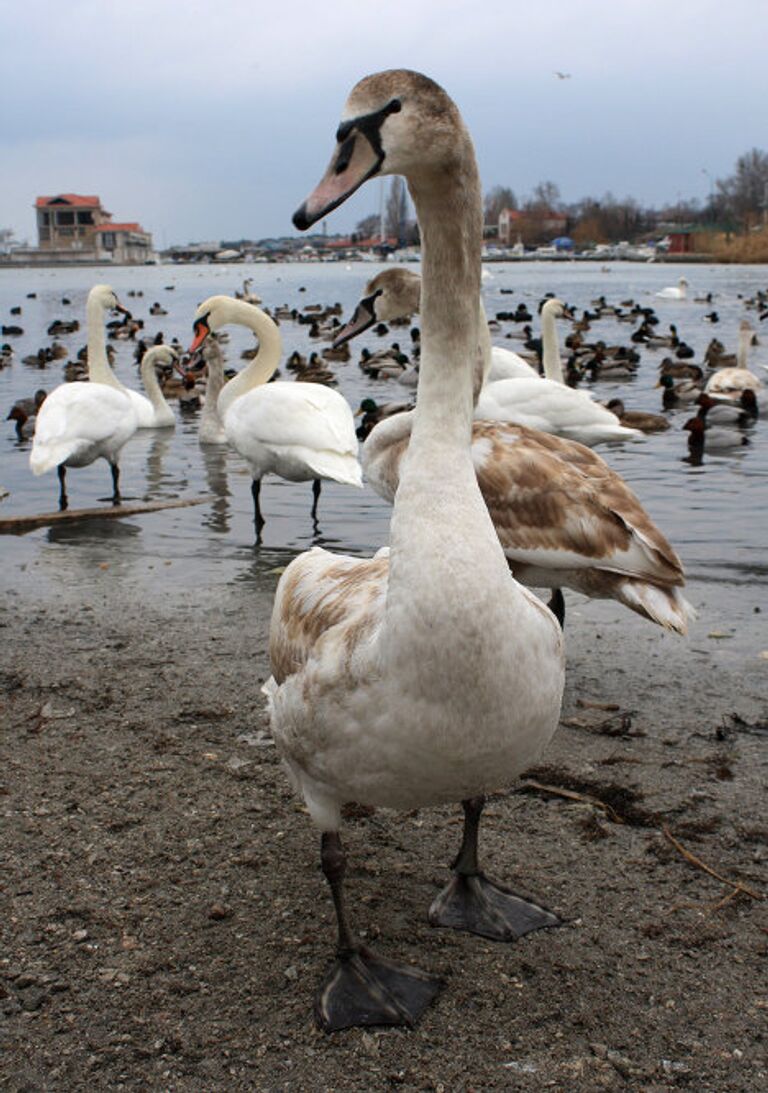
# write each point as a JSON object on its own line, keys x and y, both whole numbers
{"x": 730, "y": 382}
{"x": 300, "y": 431}
{"x": 674, "y": 292}
{"x": 81, "y": 422}
{"x": 507, "y": 365}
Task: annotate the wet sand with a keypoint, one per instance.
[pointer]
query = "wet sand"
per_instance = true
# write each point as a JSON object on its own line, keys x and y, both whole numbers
{"x": 165, "y": 921}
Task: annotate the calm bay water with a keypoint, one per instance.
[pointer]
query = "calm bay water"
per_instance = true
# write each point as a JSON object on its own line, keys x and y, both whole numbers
{"x": 716, "y": 514}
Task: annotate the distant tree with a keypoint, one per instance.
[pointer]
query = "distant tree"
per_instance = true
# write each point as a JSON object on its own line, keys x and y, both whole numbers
{"x": 500, "y": 197}
{"x": 745, "y": 194}
{"x": 396, "y": 211}
{"x": 545, "y": 198}
{"x": 368, "y": 226}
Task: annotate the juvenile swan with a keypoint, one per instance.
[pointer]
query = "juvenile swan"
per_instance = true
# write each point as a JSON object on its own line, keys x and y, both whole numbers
{"x": 430, "y": 676}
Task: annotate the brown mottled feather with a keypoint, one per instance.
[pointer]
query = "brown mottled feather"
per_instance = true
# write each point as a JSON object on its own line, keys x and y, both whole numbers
{"x": 325, "y": 598}
{"x": 546, "y": 493}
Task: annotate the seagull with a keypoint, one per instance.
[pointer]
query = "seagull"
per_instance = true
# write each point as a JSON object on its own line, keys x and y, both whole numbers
{"x": 563, "y": 75}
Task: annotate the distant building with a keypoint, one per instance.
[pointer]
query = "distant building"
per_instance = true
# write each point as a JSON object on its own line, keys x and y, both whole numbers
{"x": 532, "y": 226}
{"x": 76, "y": 228}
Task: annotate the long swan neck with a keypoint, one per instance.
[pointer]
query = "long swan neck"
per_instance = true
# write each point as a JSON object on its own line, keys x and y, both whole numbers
{"x": 262, "y": 367}
{"x": 742, "y": 350}
{"x": 214, "y": 384}
{"x": 550, "y": 350}
{"x": 451, "y": 233}
{"x": 98, "y": 365}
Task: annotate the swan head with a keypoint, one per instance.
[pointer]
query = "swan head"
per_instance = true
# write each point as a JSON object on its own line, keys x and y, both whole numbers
{"x": 391, "y": 294}
{"x": 162, "y": 356}
{"x": 212, "y": 314}
{"x": 554, "y": 307}
{"x": 394, "y": 123}
{"x": 106, "y": 297}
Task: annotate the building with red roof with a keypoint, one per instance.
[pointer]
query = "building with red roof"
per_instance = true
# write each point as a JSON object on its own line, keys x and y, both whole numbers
{"x": 77, "y": 227}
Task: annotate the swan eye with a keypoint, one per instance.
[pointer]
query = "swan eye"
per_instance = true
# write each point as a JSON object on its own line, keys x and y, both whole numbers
{"x": 345, "y": 155}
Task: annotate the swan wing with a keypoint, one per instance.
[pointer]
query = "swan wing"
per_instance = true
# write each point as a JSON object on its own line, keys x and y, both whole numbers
{"x": 508, "y": 365}
{"x": 325, "y": 604}
{"x": 303, "y": 415}
{"x": 77, "y": 416}
{"x": 557, "y": 504}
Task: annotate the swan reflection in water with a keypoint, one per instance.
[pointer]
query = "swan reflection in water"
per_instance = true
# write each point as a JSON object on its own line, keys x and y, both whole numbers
{"x": 218, "y": 513}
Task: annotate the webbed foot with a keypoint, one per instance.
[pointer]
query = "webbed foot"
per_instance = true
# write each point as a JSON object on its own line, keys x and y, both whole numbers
{"x": 364, "y": 989}
{"x": 477, "y": 905}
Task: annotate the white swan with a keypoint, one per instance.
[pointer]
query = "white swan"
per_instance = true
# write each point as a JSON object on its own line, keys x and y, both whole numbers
{"x": 246, "y": 294}
{"x": 299, "y": 431}
{"x": 436, "y": 677}
{"x": 730, "y": 382}
{"x": 81, "y": 422}
{"x": 530, "y": 400}
{"x": 674, "y": 292}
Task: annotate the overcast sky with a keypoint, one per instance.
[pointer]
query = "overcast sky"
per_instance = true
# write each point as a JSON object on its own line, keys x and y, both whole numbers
{"x": 213, "y": 120}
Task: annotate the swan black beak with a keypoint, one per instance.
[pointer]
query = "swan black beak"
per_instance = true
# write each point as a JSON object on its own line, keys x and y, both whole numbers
{"x": 364, "y": 317}
{"x": 354, "y": 162}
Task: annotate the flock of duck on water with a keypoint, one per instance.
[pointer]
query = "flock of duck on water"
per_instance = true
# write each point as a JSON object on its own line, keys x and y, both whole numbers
{"x": 428, "y": 674}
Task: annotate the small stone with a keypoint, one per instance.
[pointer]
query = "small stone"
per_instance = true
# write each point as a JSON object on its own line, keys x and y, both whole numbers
{"x": 32, "y": 998}
{"x": 79, "y": 936}
{"x": 219, "y": 911}
{"x": 291, "y": 973}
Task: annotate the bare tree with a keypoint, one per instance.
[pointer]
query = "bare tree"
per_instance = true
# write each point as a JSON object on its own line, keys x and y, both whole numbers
{"x": 745, "y": 193}
{"x": 500, "y": 197}
{"x": 396, "y": 212}
{"x": 545, "y": 198}
{"x": 368, "y": 227}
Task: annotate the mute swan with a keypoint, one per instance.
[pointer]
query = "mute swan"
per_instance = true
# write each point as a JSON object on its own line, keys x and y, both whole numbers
{"x": 300, "y": 431}
{"x": 246, "y": 295}
{"x": 81, "y": 422}
{"x": 153, "y": 412}
{"x": 432, "y": 676}
{"x": 678, "y": 292}
{"x": 545, "y": 404}
{"x": 730, "y": 382}
{"x": 211, "y": 428}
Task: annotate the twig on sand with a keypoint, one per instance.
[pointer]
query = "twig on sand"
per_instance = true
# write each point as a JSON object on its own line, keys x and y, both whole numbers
{"x": 737, "y": 886}
{"x": 572, "y": 795}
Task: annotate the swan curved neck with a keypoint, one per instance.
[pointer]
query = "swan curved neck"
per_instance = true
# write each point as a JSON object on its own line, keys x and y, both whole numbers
{"x": 149, "y": 379}
{"x": 214, "y": 383}
{"x": 262, "y": 367}
{"x": 98, "y": 365}
{"x": 550, "y": 350}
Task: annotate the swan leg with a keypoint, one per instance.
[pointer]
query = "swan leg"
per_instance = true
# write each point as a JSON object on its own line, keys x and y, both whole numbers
{"x": 362, "y": 988}
{"x": 115, "y": 483}
{"x": 63, "y": 500}
{"x": 557, "y": 606}
{"x": 316, "y": 484}
{"x": 474, "y": 903}
{"x": 258, "y": 519}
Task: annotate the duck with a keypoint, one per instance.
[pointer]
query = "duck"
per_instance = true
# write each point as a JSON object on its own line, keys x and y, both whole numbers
{"x": 674, "y": 292}
{"x": 676, "y": 394}
{"x": 24, "y": 413}
{"x": 726, "y": 411}
{"x": 638, "y": 419}
{"x": 680, "y": 370}
{"x": 299, "y": 431}
{"x": 372, "y": 413}
{"x": 703, "y": 438}
{"x": 425, "y": 675}
{"x": 81, "y": 422}
{"x": 730, "y": 382}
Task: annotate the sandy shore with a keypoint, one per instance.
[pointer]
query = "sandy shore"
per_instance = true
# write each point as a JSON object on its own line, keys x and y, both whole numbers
{"x": 165, "y": 922}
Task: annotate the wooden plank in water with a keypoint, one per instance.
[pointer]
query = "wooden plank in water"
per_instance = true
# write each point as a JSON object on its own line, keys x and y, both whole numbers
{"x": 21, "y": 524}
